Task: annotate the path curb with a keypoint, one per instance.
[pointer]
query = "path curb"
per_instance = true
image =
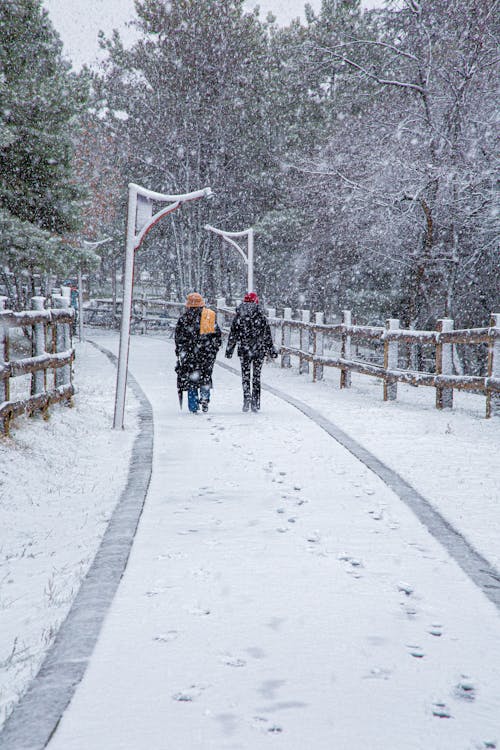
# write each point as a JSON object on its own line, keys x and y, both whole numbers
{"x": 35, "y": 718}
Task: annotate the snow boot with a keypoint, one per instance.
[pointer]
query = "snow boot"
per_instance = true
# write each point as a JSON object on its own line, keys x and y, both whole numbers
{"x": 246, "y": 403}
{"x": 255, "y": 404}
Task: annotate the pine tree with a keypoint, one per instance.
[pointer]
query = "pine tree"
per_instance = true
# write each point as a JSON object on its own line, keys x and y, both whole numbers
{"x": 40, "y": 99}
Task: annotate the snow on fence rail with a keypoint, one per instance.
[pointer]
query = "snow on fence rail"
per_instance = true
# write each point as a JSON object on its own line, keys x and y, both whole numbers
{"x": 51, "y": 350}
{"x": 312, "y": 342}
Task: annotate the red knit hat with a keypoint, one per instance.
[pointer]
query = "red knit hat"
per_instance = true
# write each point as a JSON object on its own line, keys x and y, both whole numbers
{"x": 251, "y": 297}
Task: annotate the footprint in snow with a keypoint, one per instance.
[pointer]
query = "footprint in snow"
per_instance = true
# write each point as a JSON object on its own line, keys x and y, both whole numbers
{"x": 405, "y": 588}
{"x": 416, "y": 651}
{"x": 353, "y": 561}
{"x": 233, "y": 661}
{"x": 378, "y": 673}
{"x": 188, "y": 695}
{"x": 435, "y": 630}
{"x": 199, "y": 611}
{"x": 409, "y": 610}
{"x": 314, "y": 537}
{"x": 157, "y": 592}
{"x": 262, "y": 723}
{"x": 168, "y": 637}
{"x": 441, "y": 710}
{"x": 465, "y": 689}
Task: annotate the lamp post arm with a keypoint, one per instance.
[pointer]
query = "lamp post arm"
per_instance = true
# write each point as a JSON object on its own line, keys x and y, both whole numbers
{"x": 154, "y": 220}
{"x": 223, "y": 233}
{"x": 236, "y": 247}
{"x": 248, "y": 258}
{"x": 164, "y": 197}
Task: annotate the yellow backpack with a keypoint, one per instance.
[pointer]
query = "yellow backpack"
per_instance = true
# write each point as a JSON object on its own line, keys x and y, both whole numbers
{"x": 207, "y": 321}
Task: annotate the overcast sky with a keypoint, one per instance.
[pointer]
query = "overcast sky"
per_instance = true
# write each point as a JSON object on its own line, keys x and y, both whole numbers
{"x": 79, "y": 21}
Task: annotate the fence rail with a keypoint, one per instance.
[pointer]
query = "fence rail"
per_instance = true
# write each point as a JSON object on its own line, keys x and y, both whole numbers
{"x": 50, "y": 330}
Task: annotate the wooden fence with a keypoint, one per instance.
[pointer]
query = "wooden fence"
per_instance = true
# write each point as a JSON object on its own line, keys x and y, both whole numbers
{"x": 347, "y": 347}
{"x": 147, "y": 314}
{"x": 307, "y": 341}
{"x": 51, "y": 360}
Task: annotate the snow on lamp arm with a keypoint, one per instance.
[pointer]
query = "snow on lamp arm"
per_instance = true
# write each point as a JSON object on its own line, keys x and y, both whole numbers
{"x": 248, "y": 257}
{"x": 140, "y": 220}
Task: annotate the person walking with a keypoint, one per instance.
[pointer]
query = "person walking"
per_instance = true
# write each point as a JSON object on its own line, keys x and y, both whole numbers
{"x": 197, "y": 340}
{"x": 251, "y": 331}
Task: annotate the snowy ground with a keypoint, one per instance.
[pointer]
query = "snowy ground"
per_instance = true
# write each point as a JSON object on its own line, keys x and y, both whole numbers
{"x": 59, "y": 482}
{"x": 278, "y": 593}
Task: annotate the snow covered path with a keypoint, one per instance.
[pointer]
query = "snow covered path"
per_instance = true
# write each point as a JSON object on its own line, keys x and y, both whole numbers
{"x": 269, "y": 601}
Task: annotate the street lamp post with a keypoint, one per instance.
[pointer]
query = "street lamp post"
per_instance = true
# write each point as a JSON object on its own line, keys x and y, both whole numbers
{"x": 248, "y": 257}
{"x": 140, "y": 220}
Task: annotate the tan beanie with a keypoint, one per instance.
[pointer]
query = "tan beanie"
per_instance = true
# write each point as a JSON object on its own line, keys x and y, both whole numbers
{"x": 194, "y": 300}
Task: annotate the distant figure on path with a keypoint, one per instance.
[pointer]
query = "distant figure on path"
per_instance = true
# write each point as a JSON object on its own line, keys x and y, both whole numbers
{"x": 197, "y": 340}
{"x": 251, "y": 331}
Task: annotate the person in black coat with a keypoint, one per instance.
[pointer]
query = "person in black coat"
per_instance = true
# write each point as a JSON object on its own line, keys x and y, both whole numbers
{"x": 197, "y": 340}
{"x": 251, "y": 331}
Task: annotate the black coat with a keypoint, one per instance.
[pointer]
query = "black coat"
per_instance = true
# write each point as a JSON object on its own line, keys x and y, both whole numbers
{"x": 251, "y": 331}
{"x": 195, "y": 352}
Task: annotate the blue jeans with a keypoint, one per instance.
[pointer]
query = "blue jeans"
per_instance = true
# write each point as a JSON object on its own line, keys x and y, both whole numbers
{"x": 194, "y": 398}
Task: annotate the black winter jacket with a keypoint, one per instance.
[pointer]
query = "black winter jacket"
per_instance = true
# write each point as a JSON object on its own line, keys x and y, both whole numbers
{"x": 195, "y": 352}
{"x": 251, "y": 331}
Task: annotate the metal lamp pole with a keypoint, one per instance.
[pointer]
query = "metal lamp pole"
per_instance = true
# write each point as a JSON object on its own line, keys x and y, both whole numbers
{"x": 140, "y": 220}
{"x": 248, "y": 257}
{"x": 92, "y": 245}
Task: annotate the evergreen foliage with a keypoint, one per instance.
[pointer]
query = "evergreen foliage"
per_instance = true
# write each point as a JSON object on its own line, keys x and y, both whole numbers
{"x": 40, "y": 100}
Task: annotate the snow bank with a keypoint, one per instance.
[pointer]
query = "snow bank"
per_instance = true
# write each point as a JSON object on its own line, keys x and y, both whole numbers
{"x": 59, "y": 483}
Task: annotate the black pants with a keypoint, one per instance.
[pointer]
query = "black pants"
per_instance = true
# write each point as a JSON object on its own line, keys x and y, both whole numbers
{"x": 251, "y": 369}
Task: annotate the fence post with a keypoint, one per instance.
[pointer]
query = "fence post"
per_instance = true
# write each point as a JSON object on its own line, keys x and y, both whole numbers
{"x": 391, "y": 361}
{"x": 493, "y": 398}
{"x": 286, "y": 336}
{"x": 271, "y": 313}
{"x": 304, "y": 342}
{"x": 444, "y": 365}
{"x": 39, "y": 378}
{"x": 318, "y": 346}
{"x": 345, "y": 352}
{"x": 4, "y": 358}
{"x": 221, "y": 318}
{"x": 62, "y": 375}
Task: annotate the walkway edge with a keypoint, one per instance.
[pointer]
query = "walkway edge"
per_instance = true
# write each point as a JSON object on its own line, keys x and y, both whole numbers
{"x": 477, "y": 568}
{"x": 35, "y": 718}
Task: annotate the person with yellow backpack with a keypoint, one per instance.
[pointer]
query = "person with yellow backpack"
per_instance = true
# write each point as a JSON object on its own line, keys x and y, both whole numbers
{"x": 197, "y": 340}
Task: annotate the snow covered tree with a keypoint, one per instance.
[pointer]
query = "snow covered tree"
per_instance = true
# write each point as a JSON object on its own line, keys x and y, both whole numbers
{"x": 189, "y": 103}
{"x": 40, "y": 99}
{"x": 414, "y": 173}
